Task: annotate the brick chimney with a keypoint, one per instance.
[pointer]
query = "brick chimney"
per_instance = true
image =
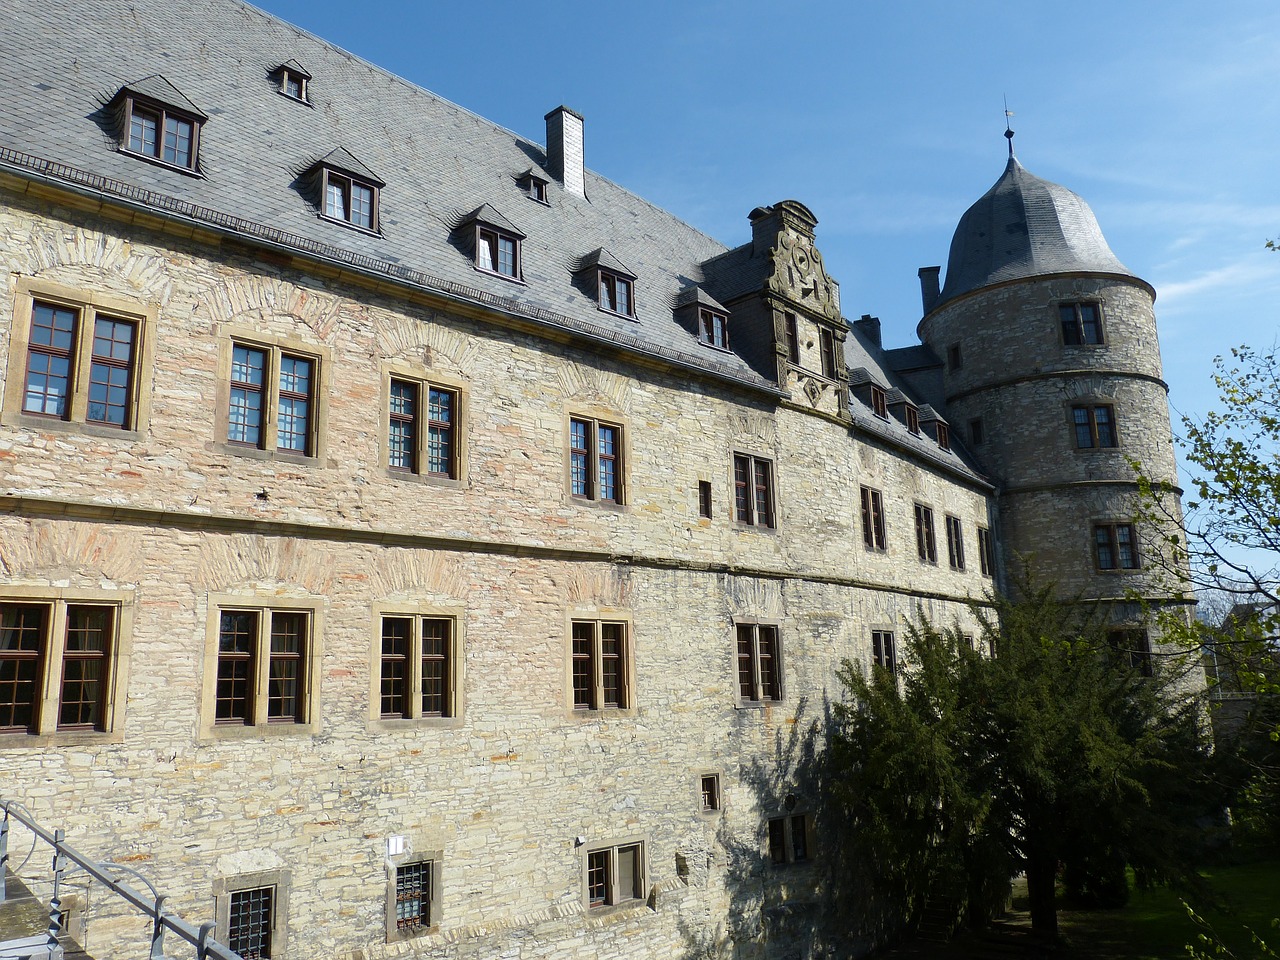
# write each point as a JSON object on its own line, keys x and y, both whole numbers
{"x": 565, "y": 160}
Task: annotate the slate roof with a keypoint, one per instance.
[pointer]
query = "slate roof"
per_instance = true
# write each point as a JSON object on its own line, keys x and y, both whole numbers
{"x": 62, "y": 62}
{"x": 1025, "y": 227}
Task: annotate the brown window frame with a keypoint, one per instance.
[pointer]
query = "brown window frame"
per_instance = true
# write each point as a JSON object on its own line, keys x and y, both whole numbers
{"x": 161, "y": 113}
{"x": 754, "y": 492}
{"x": 913, "y": 419}
{"x": 986, "y": 553}
{"x": 759, "y": 663}
{"x": 943, "y": 433}
{"x": 709, "y": 792}
{"x": 1091, "y": 422}
{"x": 589, "y": 465}
{"x": 1074, "y": 328}
{"x": 873, "y": 526}
{"x": 600, "y": 680}
{"x": 791, "y": 337}
{"x": 490, "y": 238}
{"x": 55, "y": 677}
{"x": 955, "y": 542}
{"x": 926, "y": 540}
{"x": 424, "y": 432}
{"x": 430, "y": 643}
{"x": 789, "y": 839}
{"x": 272, "y": 392}
{"x": 604, "y": 886}
{"x": 1114, "y": 542}
{"x": 347, "y": 182}
{"x": 263, "y": 696}
{"x": 713, "y": 328}
{"x": 884, "y": 651}
{"x": 705, "y": 503}
{"x": 879, "y": 402}
{"x": 827, "y": 342}
{"x": 608, "y": 285}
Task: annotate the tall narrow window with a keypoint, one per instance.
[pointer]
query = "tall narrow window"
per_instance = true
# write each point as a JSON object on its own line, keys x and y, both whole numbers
{"x": 955, "y": 543}
{"x": 879, "y": 402}
{"x": 792, "y": 337}
{"x": 595, "y": 460}
{"x": 1081, "y": 323}
{"x": 828, "y": 341}
{"x": 1115, "y": 546}
{"x": 753, "y": 490}
{"x": 293, "y": 431}
{"x": 873, "y": 533}
{"x": 986, "y": 555}
{"x": 402, "y": 436}
{"x": 415, "y": 895}
{"x": 883, "y": 653}
{"x": 704, "y": 499}
{"x": 926, "y": 545}
{"x": 913, "y": 419}
{"x": 977, "y": 435}
{"x": 954, "y": 360}
{"x": 1094, "y": 426}
{"x": 944, "y": 435}
{"x": 441, "y": 460}
{"x": 600, "y": 672}
{"x": 759, "y": 663}
{"x": 418, "y": 667}
{"x": 248, "y": 372}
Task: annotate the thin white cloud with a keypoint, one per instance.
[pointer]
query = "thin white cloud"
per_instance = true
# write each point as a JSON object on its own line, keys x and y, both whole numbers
{"x": 1176, "y": 294}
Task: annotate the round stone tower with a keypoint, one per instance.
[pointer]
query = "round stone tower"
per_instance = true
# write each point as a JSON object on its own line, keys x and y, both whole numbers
{"x": 1051, "y": 373}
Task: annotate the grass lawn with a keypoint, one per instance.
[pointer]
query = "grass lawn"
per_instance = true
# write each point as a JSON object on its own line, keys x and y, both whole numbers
{"x": 1154, "y": 926}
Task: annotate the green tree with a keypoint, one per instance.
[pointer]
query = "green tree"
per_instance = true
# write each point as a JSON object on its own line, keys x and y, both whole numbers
{"x": 1053, "y": 753}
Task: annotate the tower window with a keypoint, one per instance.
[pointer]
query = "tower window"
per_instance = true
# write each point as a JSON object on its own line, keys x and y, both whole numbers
{"x": 1094, "y": 425}
{"x": 1081, "y": 323}
{"x": 1115, "y": 546}
{"x": 828, "y": 340}
{"x": 953, "y": 357}
{"x": 791, "y": 337}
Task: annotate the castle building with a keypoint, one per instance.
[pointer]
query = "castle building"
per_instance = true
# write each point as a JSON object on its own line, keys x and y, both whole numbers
{"x": 414, "y": 544}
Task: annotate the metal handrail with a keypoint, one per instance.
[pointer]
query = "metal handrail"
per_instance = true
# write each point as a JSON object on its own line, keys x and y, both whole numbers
{"x": 201, "y": 937}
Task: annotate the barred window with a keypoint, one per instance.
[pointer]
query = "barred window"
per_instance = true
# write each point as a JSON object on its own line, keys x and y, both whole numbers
{"x": 251, "y": 923}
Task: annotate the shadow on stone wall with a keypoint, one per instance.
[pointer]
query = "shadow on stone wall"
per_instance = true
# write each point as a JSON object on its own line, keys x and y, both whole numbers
{"x": 821, "y": 907}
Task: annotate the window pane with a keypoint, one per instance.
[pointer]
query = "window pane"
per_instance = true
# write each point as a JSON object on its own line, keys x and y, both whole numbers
{"x": 624, "y": 296}
{"x": 579, "y": 459}
{"x": 440, "y": 446}
{"x": 244, "y": 420}
{"x": 778, "y": 840}
{"x": 53, "y": 331}
{"x": 435, "y": 667}
{"x": 598, "y": 878}
{"x": 628, "y": 873}
{"x": 764, "y": 493}
{"x": 746, "y": 662}
{"x": 362, "y": 206}
{"x": 237, "y": 642}
{"x": 742, "y": 488}
{"x": 799, "y": 841}
{"x": 294, "y": 428}
{"x": 285, "y": 700}
{"x": 1102, "y": 541}
{"x": 1084, "y": 432}
{"x": 335, "y": 199}
{"x": 142, "y": 132}
{"x": 413, "y": 895}
{"x": 608, "y": 448}
{"x": 612, "y": 664}
{"x": 177, "y": 142}
{"x": 584, "y": 666}
{"x": 487, "y": 250}
{"x": 250, "y": 923}
{"x": 1106, "y": 430}
{"x": 22, "y": 632}
{"x": 110, "y": 371}
{"x": 84, "y": 666}
{"x": 767, "y": 645}
{"x": 403, "y": 428}
{"x": 396, "y": 639}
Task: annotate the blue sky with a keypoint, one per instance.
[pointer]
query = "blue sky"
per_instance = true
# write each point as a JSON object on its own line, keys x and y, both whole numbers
{"x": 887, "y": 120}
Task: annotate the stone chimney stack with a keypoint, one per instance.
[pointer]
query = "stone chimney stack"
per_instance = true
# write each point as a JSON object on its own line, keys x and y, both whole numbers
{"x": 565, "y": 158}
{"x": 929, "y": 286}
{"x": 870, "y": 327}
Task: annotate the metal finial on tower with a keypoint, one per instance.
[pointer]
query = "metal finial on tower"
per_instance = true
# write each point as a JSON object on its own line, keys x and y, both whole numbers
{"x": 1008, "y": 130}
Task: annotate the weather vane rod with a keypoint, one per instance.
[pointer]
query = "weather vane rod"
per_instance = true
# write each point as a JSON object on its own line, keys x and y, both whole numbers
{"x": 1008, "y": 130}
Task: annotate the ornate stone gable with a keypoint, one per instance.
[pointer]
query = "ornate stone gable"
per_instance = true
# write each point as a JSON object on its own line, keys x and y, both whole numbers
{"x": 798, "y": 275}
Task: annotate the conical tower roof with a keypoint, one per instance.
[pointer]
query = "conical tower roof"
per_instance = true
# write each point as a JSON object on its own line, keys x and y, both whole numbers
{"x": 1025, "y": 227}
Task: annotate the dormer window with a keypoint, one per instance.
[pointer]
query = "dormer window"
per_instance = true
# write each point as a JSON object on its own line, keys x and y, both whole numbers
{"x": 913, "y": 419}
{"x": 293, "y": 80}
{"x": 159, "y": 124}
{"x": 713, "y": 328}
{"x": 346, "y": 191}
{"x": 496, "y": 242}
{"x": 349, "y": 200}
{"x": 944, "y": 436}
{"x": 534, "y": 185}
{"x": 879, "y": 403}
{"x": 615, "y": 294}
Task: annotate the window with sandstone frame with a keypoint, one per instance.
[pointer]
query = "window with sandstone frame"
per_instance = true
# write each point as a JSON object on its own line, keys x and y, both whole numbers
{"x": 873, "y": 528}
{"x": 251, "y": 913}
{"x": 1094, "y": 424}
{"x": 413, "y": 895}
{"x": 955, "y": 543}
{"x": 789, "y": 839}
{"x": 271, "y": 397}
{"x": 596, "y": 461}
{"x": 753, "y": 491}
{"x": 1115, "y": 546}
{"x": 1081, "y": 323}
{"x": 423, "y": 427}
{"x": 614, "y": 875}
{"x": 418, "y": 676}
{"x": 601, "y": 666}
{"x": 926, "y": 543}
{"x": 79, "y": 361}
{"x": 759, "y": 663}
{"x": 63, "y": 656}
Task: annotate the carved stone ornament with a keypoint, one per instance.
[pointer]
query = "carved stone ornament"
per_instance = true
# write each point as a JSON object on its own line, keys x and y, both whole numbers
{"x": 798, "y": 274}
{"x": 812, "y": 389}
